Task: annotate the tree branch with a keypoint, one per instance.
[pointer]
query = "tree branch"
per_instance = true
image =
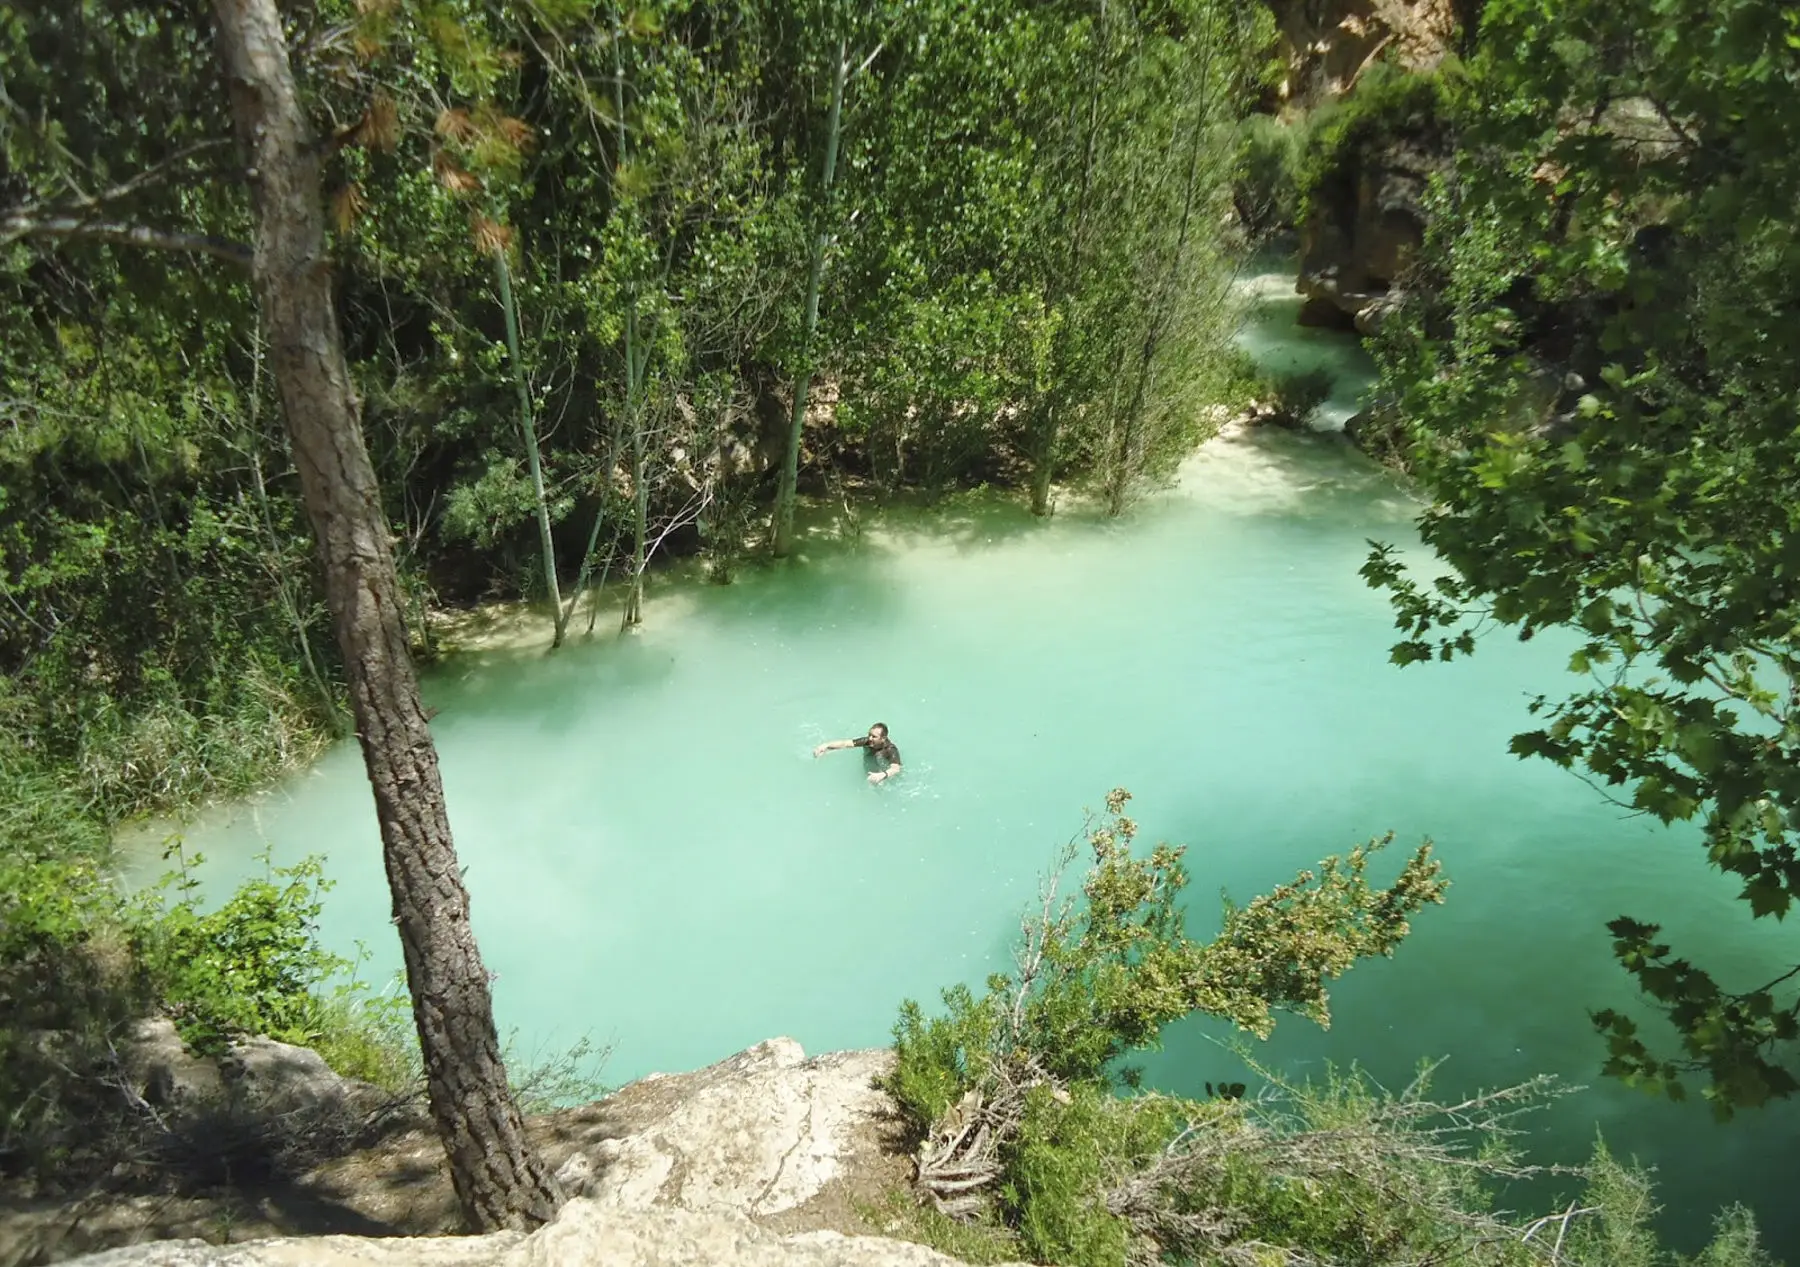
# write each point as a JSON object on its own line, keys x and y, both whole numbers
{"x": 67, "y": 227}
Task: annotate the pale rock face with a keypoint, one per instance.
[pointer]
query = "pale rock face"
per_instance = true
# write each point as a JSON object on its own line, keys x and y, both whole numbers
{"x": 757, "y": 1134}
{"x": 164, "y": 1072}
{"x": 1327, "y": 44}
{"x": 747, "y": 1163}
{"x": 583, "y": 1235}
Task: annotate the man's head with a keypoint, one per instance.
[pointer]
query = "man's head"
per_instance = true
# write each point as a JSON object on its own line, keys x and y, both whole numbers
{"x": 878, "y": 732}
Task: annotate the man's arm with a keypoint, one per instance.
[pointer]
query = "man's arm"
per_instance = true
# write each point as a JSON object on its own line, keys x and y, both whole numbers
{"x": 832, "y": 745}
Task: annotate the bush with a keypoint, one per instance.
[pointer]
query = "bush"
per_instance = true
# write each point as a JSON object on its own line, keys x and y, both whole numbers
{"x": 253, "y": 966}
{"x": 371, "y": 1037}
{"x": 69, "y": 991}
{"x": 1386, "y": 102}
{"x": 80, "y": 965}
{"x": 1099, "y": 978}
{"x": 1298, "y": 395}
{"x": 1265, "y": 180}
{"x": 1029, "y": 1130}
{"x": 1073, "y": 1148}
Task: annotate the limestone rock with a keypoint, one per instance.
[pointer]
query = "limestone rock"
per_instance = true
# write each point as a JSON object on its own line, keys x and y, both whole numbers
{"x": 258, "y": 1074}
{"x": 283, "y": 1079}
{"x": 1326, "y": 44}
{"x": 316, "y": 1251}
{"x": 1370, "y": 317}
{"x": 1354, "y": 249}
{"x": 584, "y": 1235}
{"x": 767, "y": 1157}
{"x": 760, "y": 1133}
{"x": 164, "y": 1072}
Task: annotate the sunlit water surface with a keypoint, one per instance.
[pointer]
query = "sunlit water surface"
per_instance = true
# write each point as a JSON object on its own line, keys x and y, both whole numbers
{"x": 657, "y": 861}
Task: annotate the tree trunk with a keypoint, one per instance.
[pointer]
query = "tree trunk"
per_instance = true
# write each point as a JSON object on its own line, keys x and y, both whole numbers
{"x": 498, "y": 1179}
{"x": 528, "y": 434}
{"x": 1049, "y": 425}
{"x": 640, "y": 521}
{"x": 1126, "y": 455}
{"x": 1043, "y": 465}
{"x": 790, "y": 463}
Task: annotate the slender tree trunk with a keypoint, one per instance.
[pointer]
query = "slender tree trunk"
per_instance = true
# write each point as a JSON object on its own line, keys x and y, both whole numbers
{"x": 1043, "y": 462}
{"x": 498, "y": 1179}
{"x": 528, "y": 433}
{"x": 633, "y": 614}
{"x": 790, "y": 463}
{"x": 1125, "y": 456}
{"x": 587, "y": 555}
{"x": 640, "y": 522}
{"x": 1043, "y": 456}
{"x": 290, "y": 599}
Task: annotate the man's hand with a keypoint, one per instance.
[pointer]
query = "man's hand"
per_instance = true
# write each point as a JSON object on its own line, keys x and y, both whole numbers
{"x": 877, "y": 777}
{"x": 821, "y": 750}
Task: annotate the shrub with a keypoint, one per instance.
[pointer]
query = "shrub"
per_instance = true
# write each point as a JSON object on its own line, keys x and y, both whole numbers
{"x": 80, "y": 965}
{"x": 1386, "y": 102}
{"x": 1029, "y": 1129}
{"x": 1072, "y": 1148}
{"x": 1100, "y": 977}
{"x": 1264, "y": 185}
{"x": 253, "y": 966}
{"x": 1299, "y": 394}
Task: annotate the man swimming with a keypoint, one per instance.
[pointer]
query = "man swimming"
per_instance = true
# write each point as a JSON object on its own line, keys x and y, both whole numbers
{"x": 882, "y": 757}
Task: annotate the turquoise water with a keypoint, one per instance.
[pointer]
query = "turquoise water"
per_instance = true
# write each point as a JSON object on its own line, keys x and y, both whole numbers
{"x": 656, "y": 860}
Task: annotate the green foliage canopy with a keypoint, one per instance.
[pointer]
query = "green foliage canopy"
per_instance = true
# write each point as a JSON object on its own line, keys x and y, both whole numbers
{"x": 1599, "y": 383}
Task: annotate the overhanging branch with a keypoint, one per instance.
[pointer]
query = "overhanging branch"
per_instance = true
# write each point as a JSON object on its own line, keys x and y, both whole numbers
{"x": 73, "y": 228}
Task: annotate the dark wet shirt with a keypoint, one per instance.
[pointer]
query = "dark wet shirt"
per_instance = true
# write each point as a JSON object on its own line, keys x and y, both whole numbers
{"x": 881, "y": 752}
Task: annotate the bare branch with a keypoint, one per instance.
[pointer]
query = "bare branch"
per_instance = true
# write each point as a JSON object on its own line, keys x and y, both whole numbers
{"x": 869, "y": 60}
{"x": 77, "y": 228}
{"x": 149, "y": 176}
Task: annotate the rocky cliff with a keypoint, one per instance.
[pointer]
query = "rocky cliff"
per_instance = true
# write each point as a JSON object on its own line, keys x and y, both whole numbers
{"x": 1327, "y": 44}
{"x": 766, "y": 1158}
{"x": 1374, "y": 142}
{"x": 1365, "y": 227}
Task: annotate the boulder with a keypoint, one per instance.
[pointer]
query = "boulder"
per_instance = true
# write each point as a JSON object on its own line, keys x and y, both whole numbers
{"x": 759, "y": 1134}
{"x": 285, "y": 1080}
{"x": 1354, "y": 250}
{"x": 257, "y": 1075}
{"x": 790, "y": 1141}
{"x": 1370, "y": 316}
{"x": 164, "y": 1072}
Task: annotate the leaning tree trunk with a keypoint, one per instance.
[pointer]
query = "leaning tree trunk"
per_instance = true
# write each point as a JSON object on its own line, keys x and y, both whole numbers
{"x": 497, "y": 1177}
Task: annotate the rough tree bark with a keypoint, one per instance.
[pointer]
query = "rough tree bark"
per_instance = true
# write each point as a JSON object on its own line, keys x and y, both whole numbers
{"x": 497, "y": 1177}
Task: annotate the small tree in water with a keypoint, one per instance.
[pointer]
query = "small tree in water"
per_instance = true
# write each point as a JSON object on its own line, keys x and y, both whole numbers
{"x": 1026, "y": 1149}
{"x": 1101, "y": 977}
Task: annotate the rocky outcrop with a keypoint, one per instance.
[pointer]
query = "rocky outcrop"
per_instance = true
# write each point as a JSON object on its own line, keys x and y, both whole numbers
{"x": 1365, "y": 229}
{"x": 1327, "y": 44}
{"x": 257, "y": 1075}
{"x": 585, "y": 1234}
{"x": 768, "y": 1157}
{"x": 762, "y": 1134}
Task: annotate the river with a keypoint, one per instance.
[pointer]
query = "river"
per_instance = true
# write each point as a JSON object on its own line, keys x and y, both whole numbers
{"x": 657, "y": 861}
